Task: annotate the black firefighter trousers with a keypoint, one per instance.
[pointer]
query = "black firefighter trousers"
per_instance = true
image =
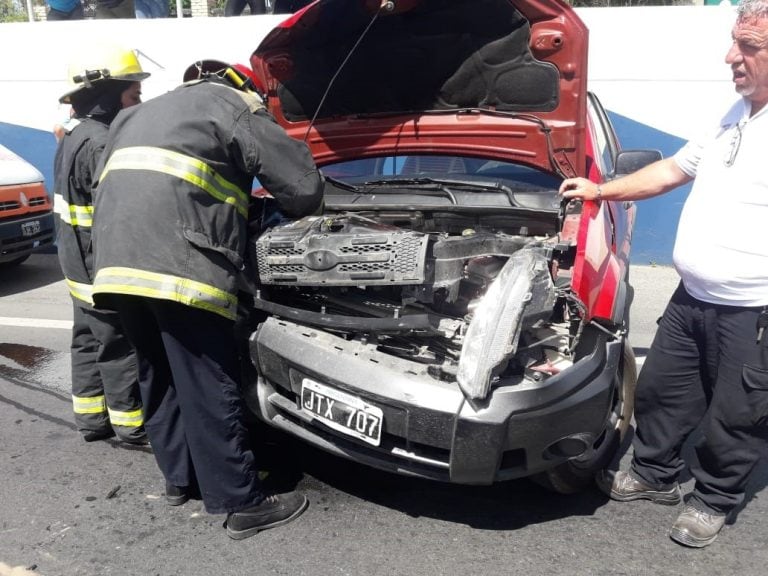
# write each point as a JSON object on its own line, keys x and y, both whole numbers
{"x": 194, "y": 411}
{"x": 706, "y": 367}
{"x": 105, "y": 389}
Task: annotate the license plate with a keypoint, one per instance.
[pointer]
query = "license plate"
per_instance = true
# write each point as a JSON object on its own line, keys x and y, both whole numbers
{"x": 341, "y": 411}
{"x": 30, "y": 228}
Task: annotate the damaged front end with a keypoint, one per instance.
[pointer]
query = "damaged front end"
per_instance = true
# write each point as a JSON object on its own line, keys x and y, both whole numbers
{"x": 446, "y": 316}
{"x": 436, "y": 344}
{"x": 478, "y": 308}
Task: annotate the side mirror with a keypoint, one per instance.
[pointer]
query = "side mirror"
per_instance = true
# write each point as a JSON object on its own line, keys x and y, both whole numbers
{"x": 629, "y": 161}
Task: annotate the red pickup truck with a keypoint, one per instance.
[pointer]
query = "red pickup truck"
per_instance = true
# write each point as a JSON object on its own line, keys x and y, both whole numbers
{"x": 448, "y": 316}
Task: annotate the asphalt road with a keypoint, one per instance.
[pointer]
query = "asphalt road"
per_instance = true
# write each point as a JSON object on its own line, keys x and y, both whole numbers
{"x": 69, "y": 509}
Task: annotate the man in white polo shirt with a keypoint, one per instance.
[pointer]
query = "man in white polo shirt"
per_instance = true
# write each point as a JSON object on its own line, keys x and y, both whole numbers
{"x": 711, "y": 348}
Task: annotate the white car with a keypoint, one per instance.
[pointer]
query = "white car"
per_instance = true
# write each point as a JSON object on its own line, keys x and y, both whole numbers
{"x": 26, "y": 210}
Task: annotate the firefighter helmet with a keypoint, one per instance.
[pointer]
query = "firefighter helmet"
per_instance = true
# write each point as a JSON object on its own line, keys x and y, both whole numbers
{"x": 238, "y": 75}
{"x": 110, "y": 63}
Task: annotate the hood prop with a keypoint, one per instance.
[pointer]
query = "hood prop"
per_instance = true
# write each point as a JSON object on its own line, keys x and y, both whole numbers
{"x": 385, "y": 6}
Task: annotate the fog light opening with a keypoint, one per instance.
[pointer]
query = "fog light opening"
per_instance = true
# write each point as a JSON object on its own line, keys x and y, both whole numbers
{"x": 569, "y": 447}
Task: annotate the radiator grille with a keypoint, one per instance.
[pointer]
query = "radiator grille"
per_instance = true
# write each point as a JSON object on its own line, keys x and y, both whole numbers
{"x": 341, "y": 258}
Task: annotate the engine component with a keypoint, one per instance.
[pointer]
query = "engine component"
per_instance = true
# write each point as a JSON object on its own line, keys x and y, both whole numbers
{"x": 344, "y": 250}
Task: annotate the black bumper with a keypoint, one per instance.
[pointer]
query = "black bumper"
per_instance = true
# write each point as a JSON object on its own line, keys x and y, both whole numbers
{"x": 430, "y": 429}
{"x": 16, "y": 241}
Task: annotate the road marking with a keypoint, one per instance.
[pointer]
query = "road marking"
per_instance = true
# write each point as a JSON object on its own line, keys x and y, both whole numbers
{"x": 35, "y": 323}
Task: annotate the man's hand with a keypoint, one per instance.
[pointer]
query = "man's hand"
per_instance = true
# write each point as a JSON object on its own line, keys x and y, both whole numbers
{"x": 580, "y": 189}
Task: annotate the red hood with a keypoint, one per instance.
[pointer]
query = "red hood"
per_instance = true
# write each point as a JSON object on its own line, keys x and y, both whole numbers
{"x": 501, "y": 78}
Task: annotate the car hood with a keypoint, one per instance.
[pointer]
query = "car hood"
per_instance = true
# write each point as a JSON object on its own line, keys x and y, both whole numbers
{"x": 499, "y": 78}
{"x": 14, "y": 170}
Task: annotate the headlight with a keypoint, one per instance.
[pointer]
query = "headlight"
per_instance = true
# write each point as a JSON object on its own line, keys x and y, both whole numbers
{"x": 495, "y": 328}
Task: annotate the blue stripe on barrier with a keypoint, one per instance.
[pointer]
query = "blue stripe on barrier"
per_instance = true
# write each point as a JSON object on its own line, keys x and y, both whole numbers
{"x": 38, "y": 147}
{"x": 657, "y": 218}
{"x": 656, "y": 226}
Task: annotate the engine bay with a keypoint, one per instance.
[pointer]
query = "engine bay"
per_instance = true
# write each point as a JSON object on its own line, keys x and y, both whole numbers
{"x": 411, "y": 282}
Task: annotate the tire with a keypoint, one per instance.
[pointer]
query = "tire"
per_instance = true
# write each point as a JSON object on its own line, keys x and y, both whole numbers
{"x": 577, "y": 474}
{"x": 13, "y": 263}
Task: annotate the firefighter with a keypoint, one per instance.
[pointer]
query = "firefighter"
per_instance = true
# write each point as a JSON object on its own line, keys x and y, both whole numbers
{"x": 170, "y": 238}
{"x": 105, "y": 390}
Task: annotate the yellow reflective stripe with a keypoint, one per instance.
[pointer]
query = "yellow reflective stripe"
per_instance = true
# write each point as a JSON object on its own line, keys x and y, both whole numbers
{"x": 92, "y": 405}
{"x": 119, "y": 280}
{"x": 80, "y": 291}
{"x": 182, "y": 166}
{"x": 73, "y": 214}
{"x": 133, "y": 419}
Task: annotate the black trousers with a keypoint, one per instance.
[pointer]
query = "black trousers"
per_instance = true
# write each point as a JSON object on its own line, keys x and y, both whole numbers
{"x": 189, "y": 377}
{"x": 705, "y": 367}
{"x": 236, "y": 7}
{"x": 105, "y": 386}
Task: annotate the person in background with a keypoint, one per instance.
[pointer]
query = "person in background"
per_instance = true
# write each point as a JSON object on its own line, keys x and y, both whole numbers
{"x": 236, "y": 7}
{"x": 289, "y": 6}
{"x": 152, "y": 8}
{"x": 105, "y": 392}
{"x": 170, "y": 238}
{"x": 60, "y": 128}
{"x": 112, "y": 9}
{"x": 64, "y": 10}
{"x": 708, "y": 364}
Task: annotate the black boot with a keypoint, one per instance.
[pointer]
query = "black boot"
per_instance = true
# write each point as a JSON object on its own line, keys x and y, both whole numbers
{"x": 176, "y": 495}
{"x": 94, "y": 435}
{"x": 274, "y": 510}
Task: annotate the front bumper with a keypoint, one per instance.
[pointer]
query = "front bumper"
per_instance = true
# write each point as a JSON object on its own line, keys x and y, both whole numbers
{"x": 16, "y": 242}
{"x": 430, "y": 429}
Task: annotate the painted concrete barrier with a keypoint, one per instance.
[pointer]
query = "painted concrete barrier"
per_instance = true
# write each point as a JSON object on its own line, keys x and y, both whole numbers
{"x": 660, "y": 72}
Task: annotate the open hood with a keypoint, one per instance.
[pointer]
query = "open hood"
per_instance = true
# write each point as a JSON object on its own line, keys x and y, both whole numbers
{"x": 360, "y": 78}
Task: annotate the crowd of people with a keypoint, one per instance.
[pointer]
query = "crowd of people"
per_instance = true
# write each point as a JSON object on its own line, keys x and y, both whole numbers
{"x": 155, "y": 201}
{"x": 108, "y": 9}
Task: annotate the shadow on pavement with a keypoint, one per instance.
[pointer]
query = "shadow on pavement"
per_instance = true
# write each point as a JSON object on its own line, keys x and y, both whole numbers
{"x": 503, "y": 506}
{"x": 38, "y": 271}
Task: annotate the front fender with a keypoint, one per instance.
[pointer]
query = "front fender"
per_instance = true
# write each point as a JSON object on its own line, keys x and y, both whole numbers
{"x": 600, "y": 271}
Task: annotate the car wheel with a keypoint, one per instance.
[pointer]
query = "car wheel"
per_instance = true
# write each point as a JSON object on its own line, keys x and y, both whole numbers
{"x": 578, "y": 473}
{"x": 13, "y": 263}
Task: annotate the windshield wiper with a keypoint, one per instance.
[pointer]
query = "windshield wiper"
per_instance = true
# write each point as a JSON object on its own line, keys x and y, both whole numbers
{"x": 341, "y": 184}
{"x": 423, "y": 185}
{"x": 445, "y": 183}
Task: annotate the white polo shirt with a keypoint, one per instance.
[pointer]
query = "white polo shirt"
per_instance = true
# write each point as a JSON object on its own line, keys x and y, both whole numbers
{"x": 721, "y": 249}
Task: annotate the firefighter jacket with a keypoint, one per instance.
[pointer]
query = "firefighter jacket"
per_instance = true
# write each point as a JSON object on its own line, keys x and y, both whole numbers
{"x": 74, "y": 169}
{"x": 173, "y": 197}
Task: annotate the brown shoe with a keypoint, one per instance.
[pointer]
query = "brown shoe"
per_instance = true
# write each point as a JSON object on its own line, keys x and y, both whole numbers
{"x": 695, "y": 528}
{"x": 624, "y": 488}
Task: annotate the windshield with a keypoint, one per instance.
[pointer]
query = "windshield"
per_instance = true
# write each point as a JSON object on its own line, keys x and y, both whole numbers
{"x": 458, "y": 179}
{"x": 515, "y": 176}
